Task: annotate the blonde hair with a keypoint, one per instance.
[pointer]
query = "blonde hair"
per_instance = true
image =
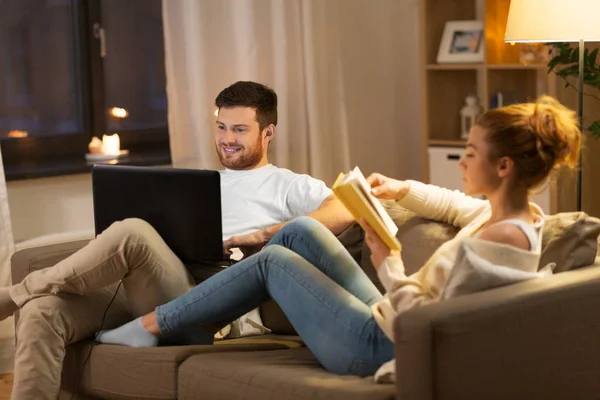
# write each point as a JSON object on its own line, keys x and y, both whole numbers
{"x": 538, "y": 137}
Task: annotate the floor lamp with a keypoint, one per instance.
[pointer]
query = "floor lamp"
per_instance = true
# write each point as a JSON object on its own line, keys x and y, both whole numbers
{"x": 557, "y": 21}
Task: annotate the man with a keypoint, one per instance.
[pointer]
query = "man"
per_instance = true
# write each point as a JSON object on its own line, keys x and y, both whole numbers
{"x": 257, "y": 200}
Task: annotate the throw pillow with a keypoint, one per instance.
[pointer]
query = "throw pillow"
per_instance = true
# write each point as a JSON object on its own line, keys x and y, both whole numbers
{"x": 570, "y": 240}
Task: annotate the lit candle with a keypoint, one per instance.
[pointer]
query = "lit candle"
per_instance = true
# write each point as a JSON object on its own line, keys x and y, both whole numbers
{"x": 118, "y": 112}
{"x": 111, "y": 145}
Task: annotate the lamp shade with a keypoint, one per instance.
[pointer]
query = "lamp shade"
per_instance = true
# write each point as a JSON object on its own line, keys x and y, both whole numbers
{"x": 553, "y": 21}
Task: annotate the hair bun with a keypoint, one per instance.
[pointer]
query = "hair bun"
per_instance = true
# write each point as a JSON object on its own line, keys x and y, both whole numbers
{"x": 558, "y": 135}
{"x": 537, "y": 136}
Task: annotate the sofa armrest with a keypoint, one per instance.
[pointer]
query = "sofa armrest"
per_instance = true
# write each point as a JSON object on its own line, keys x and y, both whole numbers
{"x": 533, "y": 340}
{"x": 25, "y": 261}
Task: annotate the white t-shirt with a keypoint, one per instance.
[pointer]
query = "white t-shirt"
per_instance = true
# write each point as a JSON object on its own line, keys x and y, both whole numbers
{"x": 258, "y": 198}
{"x": 255, "y": 199}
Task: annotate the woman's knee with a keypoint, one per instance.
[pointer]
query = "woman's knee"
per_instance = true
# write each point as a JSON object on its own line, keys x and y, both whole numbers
{"x": 306, "y": 222}
{"x": 276, "y": 252}
{"x": 276, "y": 256}
{"x": 304, "y": 226}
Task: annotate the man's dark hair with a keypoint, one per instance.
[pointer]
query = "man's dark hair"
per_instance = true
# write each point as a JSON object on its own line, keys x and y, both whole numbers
{"x": 254, "y": 95}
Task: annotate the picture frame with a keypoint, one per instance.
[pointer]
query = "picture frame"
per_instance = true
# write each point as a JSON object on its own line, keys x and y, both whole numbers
{"x": 462, "y": 42}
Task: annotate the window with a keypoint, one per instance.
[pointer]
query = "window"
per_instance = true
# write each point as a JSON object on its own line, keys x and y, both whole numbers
{"x": 37, "y": 67}
{"x": 134, "y": 68}
{"x": 74, "y": 69}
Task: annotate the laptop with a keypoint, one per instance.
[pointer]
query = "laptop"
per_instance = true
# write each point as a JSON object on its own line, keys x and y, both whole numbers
{"x": 183, "y": 205}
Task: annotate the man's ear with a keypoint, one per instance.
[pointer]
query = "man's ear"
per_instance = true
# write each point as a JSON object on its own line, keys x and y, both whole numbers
{"x": 270, "y": 132}
{"x": 506, "y": 166}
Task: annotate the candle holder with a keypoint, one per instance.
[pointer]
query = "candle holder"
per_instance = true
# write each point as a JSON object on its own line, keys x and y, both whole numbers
{"x": 109, "y": 148}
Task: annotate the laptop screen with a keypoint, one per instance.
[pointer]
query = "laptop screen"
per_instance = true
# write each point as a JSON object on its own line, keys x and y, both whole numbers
{"x": 183, "y": 206}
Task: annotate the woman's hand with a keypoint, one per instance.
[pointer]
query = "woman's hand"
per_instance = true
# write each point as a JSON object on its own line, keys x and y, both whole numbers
{"x": 386, "y": 188}
{"x": 379, "y": 250}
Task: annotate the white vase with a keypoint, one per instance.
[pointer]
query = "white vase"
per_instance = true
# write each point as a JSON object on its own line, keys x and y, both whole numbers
{"x": 468, "y": 116}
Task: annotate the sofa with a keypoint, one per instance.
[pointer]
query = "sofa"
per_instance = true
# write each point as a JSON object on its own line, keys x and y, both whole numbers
{"x": 538, "y": 339}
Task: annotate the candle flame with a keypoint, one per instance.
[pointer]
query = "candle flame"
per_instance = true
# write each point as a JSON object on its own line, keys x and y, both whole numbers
{"x": 118, "y": 112}
{"x": 17, "y": 134}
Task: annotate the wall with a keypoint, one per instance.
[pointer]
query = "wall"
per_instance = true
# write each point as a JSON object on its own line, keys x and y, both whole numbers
{"x": 384, "y": 135}
{"x": 47, "y": 206}
{"x": 388, "y": 143}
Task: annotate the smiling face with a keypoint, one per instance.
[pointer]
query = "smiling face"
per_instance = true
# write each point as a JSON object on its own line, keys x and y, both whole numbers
{"x": 480, "y": 175}
{"x": 239, "y": 141}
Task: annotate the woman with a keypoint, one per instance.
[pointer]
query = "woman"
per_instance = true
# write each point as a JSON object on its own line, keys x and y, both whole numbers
{"x": 329, "y": 300}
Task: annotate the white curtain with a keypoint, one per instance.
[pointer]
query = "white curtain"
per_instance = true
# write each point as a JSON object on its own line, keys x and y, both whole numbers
{"x": 6, "y": 250}
{"x": 291, "y": 45}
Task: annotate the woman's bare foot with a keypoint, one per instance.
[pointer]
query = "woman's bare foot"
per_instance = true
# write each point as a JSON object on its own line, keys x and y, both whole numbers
{"x": 150, "y": 323}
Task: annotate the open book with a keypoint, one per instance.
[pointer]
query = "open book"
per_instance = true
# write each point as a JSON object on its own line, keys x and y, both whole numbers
{"x": 354, "y": 192}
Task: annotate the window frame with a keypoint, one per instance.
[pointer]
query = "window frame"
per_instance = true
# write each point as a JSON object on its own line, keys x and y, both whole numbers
{"x": 60, "y": 155}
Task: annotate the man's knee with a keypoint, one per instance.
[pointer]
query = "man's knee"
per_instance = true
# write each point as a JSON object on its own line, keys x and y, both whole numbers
{"x": 43, "y": 317}
{"x": 71, "y": 318}
{"x": 131, "y": 229}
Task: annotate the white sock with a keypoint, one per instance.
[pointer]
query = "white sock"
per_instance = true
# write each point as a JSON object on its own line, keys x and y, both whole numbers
{"x": 132, "y": 334}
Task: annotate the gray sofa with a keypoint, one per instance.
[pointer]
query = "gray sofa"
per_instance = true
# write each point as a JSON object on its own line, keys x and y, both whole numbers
{"x": 535, "y": 340}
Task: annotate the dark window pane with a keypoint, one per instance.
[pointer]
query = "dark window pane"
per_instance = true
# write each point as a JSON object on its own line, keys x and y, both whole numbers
{"x": 39, "y": 93}
{"x": 134, "y": 66}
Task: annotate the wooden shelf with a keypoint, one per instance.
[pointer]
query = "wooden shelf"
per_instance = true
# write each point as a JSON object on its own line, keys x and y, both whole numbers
{"x": 516, "y": 66}
{"x": 471, "y": 67}
{"x": 453, "y": 67}
{"x": 447, "y": 143}
{"x": 446, "y": 86}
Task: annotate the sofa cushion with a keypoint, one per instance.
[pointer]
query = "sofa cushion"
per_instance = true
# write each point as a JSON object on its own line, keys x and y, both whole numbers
{"x": 570, "y": 240}
{"x": 352, "y": 239}
{"x": 24, "y": 262}
{"x": 118, "y": 372}
{"x": 280, "y": 374}
{"x": 419, "y": 236}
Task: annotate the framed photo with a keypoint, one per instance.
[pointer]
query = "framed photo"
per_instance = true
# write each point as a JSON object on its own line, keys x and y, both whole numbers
{"x": 462, "y": 42}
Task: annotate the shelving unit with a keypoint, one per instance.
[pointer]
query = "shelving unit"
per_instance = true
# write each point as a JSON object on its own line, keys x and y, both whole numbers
{"x": 447, "y": 143}
{"x": 454, "y": 67}
{"x": 445, "y": 86}
{"x": 542, "y": 67}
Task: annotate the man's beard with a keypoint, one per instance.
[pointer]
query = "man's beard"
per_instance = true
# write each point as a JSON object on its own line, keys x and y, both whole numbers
{"x": 245, "y": 160}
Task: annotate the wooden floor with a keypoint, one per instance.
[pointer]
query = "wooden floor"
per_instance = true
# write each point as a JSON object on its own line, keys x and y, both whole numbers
{"x": 5, "y": 386}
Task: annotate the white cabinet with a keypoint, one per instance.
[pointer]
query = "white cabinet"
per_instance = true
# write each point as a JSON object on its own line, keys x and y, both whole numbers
{"x": 443, "y": 167}
{"x": 444, "y": 172}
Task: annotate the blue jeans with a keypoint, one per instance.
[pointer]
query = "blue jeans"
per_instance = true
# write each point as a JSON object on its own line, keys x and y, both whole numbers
{"x": 318, "y": 285}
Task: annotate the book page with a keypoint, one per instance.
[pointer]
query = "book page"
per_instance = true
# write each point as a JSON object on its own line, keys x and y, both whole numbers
{"x": 357, "y": 175}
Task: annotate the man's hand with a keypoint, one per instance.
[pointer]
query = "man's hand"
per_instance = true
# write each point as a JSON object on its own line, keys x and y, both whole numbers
{"x": 379, "y": 250}
{"x": 248, "y": 244}
{"x": 386, "y": 188}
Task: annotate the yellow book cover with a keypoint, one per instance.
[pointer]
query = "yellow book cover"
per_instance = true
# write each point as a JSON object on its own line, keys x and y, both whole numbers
{"x": 354, "y": 192}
